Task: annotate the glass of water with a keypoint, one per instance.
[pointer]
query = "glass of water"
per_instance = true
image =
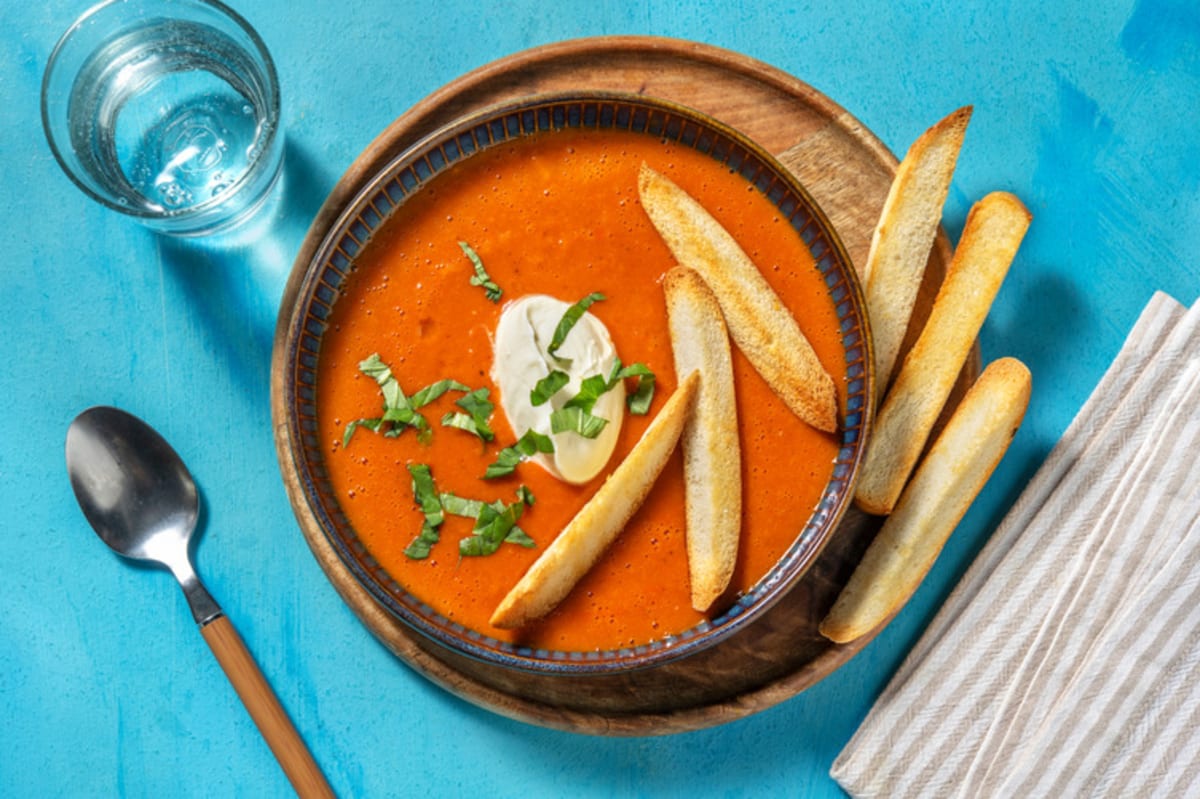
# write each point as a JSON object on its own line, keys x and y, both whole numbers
{"x": 166, "y": 110}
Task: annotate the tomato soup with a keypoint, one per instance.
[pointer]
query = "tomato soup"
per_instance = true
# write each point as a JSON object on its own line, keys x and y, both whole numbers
{"x": 557, "y": 213}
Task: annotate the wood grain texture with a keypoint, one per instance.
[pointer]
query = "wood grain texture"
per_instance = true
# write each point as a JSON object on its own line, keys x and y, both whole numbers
{"x": 272, "y": 720}
{"x": 848, "y": 172}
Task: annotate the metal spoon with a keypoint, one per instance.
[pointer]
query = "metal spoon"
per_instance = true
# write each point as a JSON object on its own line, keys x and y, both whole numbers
{"x": 138, "y": 495}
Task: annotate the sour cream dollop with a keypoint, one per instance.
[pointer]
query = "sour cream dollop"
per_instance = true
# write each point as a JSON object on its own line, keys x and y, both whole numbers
{"x": 521, "y": 358}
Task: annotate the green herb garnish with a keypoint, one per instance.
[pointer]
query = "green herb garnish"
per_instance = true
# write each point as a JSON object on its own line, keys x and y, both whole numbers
{"x": 591, "y": 389}
{"x": 496, "y": 524}
{"x": 460, "y": 506}
{"x": 481, "y": 277}
{"x": 639, "y": 400}
{"x": 576, "y": 420}
{"x": 596, "y": 386}
{"x": 576, "y": 413}
{"x": 528, "y": 445}
{"x": 547, "y": 387}
{"x": 478, "y": 411}
{"x": 426, "y": 495}
{"x": 435, "y": 390}
{"x": 368, "y": 424}
{"x": 399, "y": 410}
{"x": 569, "y": 318}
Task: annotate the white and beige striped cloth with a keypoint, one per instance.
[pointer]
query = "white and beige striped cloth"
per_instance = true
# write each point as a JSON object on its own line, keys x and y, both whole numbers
{"x": 1066, "y": 663}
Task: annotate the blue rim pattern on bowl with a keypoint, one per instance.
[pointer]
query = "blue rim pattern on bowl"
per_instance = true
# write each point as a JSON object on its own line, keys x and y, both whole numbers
{"x": 407, "y": 174}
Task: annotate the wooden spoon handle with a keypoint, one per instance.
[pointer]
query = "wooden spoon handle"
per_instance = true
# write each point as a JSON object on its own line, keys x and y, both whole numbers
{"x": 272, "y": 720}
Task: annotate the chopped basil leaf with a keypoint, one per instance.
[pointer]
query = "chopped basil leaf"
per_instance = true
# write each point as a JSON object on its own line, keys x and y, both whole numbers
{"x": 426, "y": 495}
{"x": 590, "y": 390}
{"x": 460, "y": 506}
{"x": 506, "y": 461}
{"x": 547, "y": 387}
{"x": 481, "y": 277}
{"x": 432, "y": 392}
{"x": 374, "y": 367}
{"x": 478, "y": 411}
{"x": 370, "y": 424}
{"x": 474, "y": 546}
{"x": 525, "y": 495}
{"x": 527, "y": 446}
{"x": 533, "y": 441}
{"x": 479, "y": 407}
{"x": 399, "y": 410}
{"x": 570, "y": 317}
{"x": 643, "y": 393}
{"x": 576, "y": 420}
{"x": 497, "y": 524}
{"x": 420, "y": 547}
{"x": 402, "y": 417}
{"x": 519, "y": 537}
{"x": 460, "y": 421}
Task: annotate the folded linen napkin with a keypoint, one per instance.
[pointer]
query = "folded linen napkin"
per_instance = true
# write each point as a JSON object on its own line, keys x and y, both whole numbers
{"x": 1071, "y": 589}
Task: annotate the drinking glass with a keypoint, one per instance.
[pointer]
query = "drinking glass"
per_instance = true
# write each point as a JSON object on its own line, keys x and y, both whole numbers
{"x": 167, "y": 111}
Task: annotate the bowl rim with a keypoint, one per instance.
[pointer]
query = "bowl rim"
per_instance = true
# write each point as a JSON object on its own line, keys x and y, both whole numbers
{"x": 348, "y": 234}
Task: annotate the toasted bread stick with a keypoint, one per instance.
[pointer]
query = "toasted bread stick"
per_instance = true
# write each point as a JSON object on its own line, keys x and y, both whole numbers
{"x": 759, "y": 323}
{"x": 994, "y": 230}
{"x": 904, "y": 236}
{"x": 944, "y": 486}
{"x": 712, "y": 465}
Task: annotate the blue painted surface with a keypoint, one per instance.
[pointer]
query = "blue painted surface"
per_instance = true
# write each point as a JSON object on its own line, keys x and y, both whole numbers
{"x": 1088, "y": 111}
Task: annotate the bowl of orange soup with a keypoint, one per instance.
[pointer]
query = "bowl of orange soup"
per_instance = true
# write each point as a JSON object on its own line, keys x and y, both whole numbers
{"x": 401, "y": 450}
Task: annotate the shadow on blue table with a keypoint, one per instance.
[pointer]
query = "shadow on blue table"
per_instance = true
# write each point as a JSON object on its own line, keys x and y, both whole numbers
{"x": 235, "y": 280}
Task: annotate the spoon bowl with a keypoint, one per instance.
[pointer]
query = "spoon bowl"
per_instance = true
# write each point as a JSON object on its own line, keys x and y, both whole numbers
{"x": 103, "y": 442}
{"x": 138, "y": 495}
{"x": 141, "y": 500}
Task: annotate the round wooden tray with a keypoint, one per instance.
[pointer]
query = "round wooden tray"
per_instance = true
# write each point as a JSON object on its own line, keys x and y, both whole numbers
{"x": 848, "y": 171}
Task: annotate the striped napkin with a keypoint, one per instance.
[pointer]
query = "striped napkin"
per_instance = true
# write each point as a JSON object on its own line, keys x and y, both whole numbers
{"x": 1065, "y": 662}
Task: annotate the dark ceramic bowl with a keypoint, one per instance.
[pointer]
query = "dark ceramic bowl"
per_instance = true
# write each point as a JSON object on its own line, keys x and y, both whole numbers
{"x": 298, "y": 355}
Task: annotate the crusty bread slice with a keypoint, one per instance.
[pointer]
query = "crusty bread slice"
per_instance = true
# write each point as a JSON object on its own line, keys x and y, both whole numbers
{"x": 993, "y": 232}
{"x": 712, "y": 463}
{"x": 759, "y": 323}
{"x": 904, "y": 237}
{"x": 944, "y": 486}
{"x": 580, "y": 544}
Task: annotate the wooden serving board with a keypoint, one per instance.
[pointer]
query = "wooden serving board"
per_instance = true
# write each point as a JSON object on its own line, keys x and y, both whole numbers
{"x": 848, "y": 171}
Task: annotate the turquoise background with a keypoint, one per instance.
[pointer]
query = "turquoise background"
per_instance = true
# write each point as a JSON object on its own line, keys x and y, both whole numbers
{"x": 1088, "y": 111}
